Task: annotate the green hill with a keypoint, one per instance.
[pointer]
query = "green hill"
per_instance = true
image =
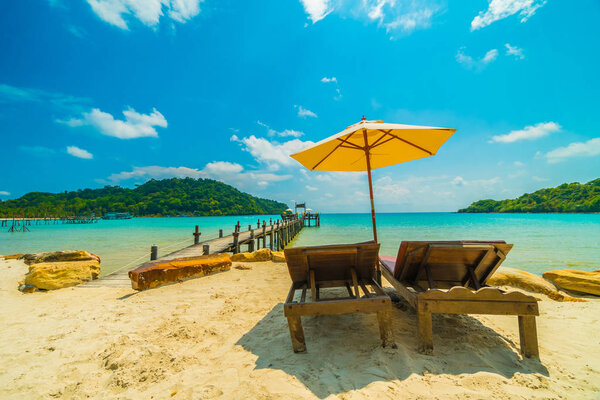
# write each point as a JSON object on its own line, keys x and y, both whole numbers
{"x": 566, "y": 198}
{"x": 166, "y": 197}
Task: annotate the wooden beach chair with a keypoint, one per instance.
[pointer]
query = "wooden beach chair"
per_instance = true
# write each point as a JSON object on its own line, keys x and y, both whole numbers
{"x": 449, "y": 278}
{"x": 351, "y": 266}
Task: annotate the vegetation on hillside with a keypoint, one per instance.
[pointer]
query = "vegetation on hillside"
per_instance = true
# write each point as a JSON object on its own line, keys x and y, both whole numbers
{"x": 168, "y": 197}
{"x": 566, "y": 198}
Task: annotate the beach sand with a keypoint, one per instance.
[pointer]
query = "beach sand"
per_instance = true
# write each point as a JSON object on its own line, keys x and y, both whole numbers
{"x": 224, "y": 336}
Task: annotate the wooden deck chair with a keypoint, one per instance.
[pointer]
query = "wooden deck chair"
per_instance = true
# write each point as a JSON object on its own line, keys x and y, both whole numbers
{"x": 449, "y": 278}
{"x": 351, "y": 266}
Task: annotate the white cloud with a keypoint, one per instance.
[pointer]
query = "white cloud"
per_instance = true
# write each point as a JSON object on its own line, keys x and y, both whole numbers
{"x": 410, "y": 22}
{"x": 4, "y": 193}
{"x": 386, "y": 187}
{"x": 284, "y": 133}
{"x": 500, "y": 9}
{"x": 333, "y": 80}
{"x": 316, "y": 9}
{"x": 490, "y": 56}
{"x": 589, "y": 148}
{"x": 518, "y": 164}
{"x": 135, "y": 125}
{"x": 528, "y": 133}
{"x": 404, "y": 17}
{"x": 472, "y": 63}
{"x": 395, "y": 16}
{"x": 514, "y": 51}
{"x": 149, "y": 12}
{"x": 459, "y": 181}
{"x": 272, "y": 154}
{"x": 311, "y": 188}
{"x": 303, "y": 112}
{"x": 538, "y": 179}
{"x": 79, "y": 153}
{"x": 225, "y": 171}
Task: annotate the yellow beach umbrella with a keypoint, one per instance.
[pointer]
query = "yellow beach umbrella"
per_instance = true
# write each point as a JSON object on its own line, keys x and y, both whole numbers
{"x": 369, "y": 145}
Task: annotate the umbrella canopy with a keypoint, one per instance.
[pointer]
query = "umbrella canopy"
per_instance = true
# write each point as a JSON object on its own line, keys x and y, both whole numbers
{"x": 369, "y": 145}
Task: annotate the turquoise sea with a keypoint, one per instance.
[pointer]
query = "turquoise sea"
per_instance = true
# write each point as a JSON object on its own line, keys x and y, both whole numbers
{"x": 542, "y": 241}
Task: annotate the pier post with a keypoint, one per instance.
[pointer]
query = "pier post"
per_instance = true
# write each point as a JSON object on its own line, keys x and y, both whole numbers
{"x": 236, "y": 246}
{"x": 220, "y": 233}
{"x": 196, "y": 235}
{"x": 249, "y": 227}
{"x": 258, "y": 223}
{"x": 153, "y": 252}
{"x": 251, "y": 242}
{"x": 264, "y": 235}
{"x": 271, "y": 238}
{"x": 205, "y": 249}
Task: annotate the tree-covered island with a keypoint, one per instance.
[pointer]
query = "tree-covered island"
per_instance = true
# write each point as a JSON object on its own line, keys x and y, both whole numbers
{"x": 566, "y": 198}
{"x": 155, "y": 198}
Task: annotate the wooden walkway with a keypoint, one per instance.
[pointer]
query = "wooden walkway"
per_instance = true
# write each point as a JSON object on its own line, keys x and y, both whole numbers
{"x": 275, "y": 237}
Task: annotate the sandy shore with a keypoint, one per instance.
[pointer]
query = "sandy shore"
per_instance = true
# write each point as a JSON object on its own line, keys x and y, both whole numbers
{"x": 224, "y": 336}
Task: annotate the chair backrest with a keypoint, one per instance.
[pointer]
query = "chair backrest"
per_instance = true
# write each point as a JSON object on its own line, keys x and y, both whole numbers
{"x": 333, "y": 262}
{"x": 466, "y": 263}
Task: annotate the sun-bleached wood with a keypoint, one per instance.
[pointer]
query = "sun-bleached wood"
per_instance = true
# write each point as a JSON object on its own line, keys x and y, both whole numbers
{"x": 467, "y": 265}
{"x": 345, "y": 266}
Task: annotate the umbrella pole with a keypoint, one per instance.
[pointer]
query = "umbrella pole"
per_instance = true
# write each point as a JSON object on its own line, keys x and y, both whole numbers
{"x": 371, "y": 194}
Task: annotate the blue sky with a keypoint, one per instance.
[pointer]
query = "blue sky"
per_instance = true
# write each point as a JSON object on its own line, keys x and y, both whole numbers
{"x": 97, "y": 92}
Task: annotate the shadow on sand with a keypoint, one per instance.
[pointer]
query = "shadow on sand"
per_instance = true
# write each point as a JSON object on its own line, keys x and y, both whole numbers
{"x": 344, "y": 352}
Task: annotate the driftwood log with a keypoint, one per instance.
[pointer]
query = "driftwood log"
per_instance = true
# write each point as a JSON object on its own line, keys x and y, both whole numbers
{"x": 156, "y": 273}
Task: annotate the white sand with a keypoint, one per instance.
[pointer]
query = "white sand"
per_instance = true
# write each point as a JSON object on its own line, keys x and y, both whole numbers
{"x": 224, "y": 336}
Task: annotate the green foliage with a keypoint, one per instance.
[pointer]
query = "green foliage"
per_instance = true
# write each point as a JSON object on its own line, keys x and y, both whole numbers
{"x": 566, "y": 198}
{"x": 168, "y": 197}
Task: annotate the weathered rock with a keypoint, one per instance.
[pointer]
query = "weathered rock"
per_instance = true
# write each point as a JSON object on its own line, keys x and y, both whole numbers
{"x": 57, "y": 256}
{"x": 156, "y": 273}
{"x": 27, "y": 288}
{"x": 524, "y": 280}
{"x": 243, "y": 267}
{"x": 255, "y": 256}
{"x": 57, "y": 275}
{"x": 13, "y": 256}
{"x": 278, "y": 256}
{"x": 577, "y": 281}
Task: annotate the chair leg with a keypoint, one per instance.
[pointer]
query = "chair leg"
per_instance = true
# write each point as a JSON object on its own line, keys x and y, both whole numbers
{"x": 424, "y": 332}
{"x": 385, "y": 329}
{"x": 297, "y": 334}
{"x": 528, "y": 336}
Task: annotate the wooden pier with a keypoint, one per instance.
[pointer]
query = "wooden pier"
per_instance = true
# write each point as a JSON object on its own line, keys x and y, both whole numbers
{"x": 274, "y": 235}
{"x": 20, "y": 224}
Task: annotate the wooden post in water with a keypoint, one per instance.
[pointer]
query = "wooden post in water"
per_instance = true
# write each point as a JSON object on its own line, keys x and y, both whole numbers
{"x": 264, "y": 234}
{"x": 153, "y": 252}
{"x": 205, "y": 249}
{"x": 220, "y": 233}
{"x": 271, "y": 238}
{"x": 196, "y": 235}
{"x": 251, "y": 242}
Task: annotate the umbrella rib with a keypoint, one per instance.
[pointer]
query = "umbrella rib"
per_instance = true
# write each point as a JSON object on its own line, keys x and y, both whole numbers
{"x": 331, "y": 152}
{"x": 412, "y": 144}
{"x": 355, "y": 146}
{"x": 382, "y": 136}
{"x": 384, "y": 142}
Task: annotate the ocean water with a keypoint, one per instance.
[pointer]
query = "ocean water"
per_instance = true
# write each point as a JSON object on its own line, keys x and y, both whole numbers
{"x": 542, "y": 241}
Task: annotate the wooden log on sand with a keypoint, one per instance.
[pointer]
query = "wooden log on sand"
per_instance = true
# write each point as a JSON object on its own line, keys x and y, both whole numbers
{"x": 153, "y": 274}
